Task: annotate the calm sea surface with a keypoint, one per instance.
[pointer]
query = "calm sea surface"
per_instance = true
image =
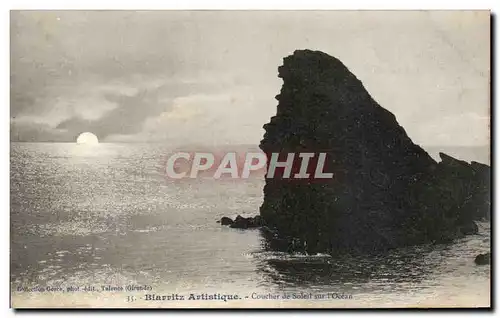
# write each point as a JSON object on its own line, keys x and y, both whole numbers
{"x": 106, "y": 215}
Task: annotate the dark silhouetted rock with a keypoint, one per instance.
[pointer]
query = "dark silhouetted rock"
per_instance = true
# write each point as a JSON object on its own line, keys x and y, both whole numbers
{"x": 226, "y": 221}
{"x": 242, "y": 222}
{"x": 471, "y": 185}
{"x": 469, "y": 228}
{"x": 483, "y": 259}
{"x": 386, "y": 192}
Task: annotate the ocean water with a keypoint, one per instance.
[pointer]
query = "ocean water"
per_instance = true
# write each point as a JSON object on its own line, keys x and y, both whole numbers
{"x": 106, "y": 215}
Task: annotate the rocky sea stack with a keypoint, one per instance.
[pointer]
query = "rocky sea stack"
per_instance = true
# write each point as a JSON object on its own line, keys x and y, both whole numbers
{"x": 386, "y": 191}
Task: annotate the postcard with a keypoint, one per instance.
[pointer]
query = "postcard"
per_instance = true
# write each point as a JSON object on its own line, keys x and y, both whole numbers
{"x": 250, "y": 159}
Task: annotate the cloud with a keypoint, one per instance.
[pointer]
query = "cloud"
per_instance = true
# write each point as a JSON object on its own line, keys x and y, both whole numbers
{"x": 128, "y": 109}
{"x": 126, "y": 118}
{"x": 150, "y": 76}
{"x": 209, "y": 118}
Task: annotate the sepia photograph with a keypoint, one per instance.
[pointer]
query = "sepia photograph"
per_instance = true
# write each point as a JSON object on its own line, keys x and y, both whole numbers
{"x": 250, "y": 159}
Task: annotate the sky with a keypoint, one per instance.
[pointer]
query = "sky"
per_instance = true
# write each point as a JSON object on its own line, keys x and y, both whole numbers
{"x": 206, "y": 77}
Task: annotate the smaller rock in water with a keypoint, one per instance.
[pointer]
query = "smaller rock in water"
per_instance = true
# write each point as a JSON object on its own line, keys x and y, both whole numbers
{"x": 225, "y": 221}
{"x": 242, "y": 222}
{"x": 483, "y": 259}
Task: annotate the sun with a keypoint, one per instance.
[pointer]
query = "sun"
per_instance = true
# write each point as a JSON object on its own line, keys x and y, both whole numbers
{"x": 87, "y": 138}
